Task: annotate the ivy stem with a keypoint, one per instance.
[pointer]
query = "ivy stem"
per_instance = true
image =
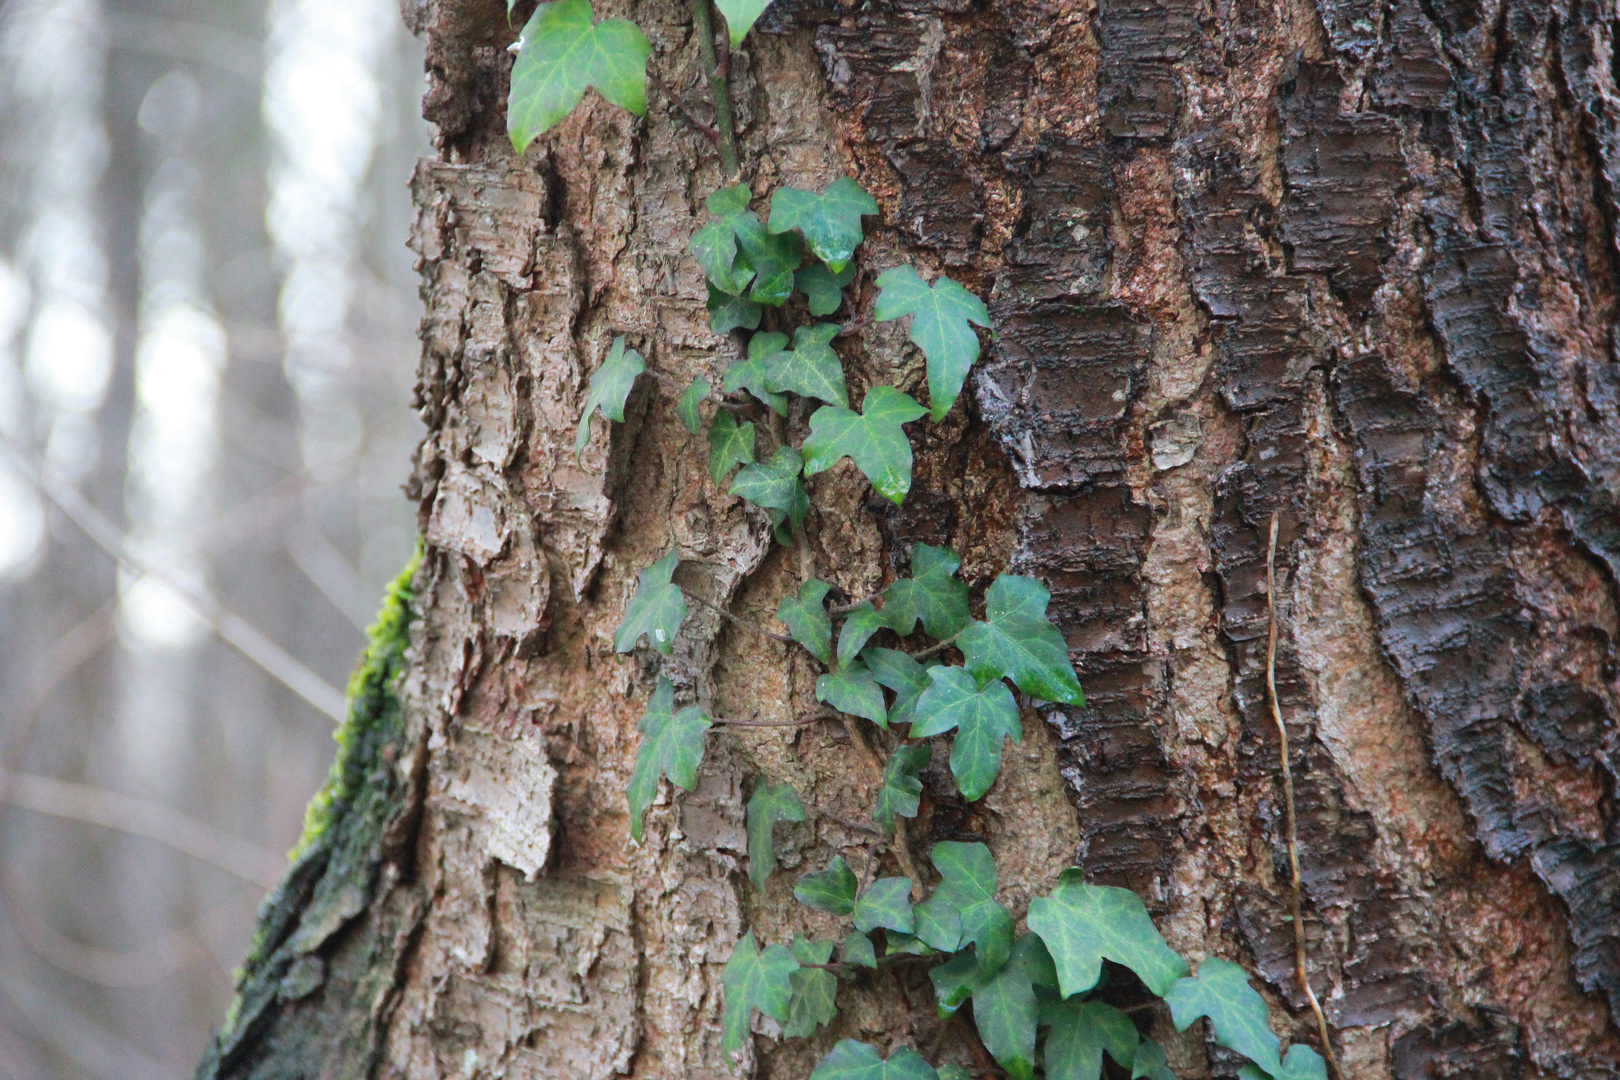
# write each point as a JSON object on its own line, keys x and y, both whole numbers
{"x": 738, "y": 619}
{"x": 801, "y": 722}
{"x": 938, "y": 646}
{"x": 706, "y": 130}
{"x": 703, "y": 23}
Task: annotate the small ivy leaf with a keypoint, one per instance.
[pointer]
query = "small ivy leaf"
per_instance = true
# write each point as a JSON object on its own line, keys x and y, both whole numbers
{"x": 830, "y": 222}
{"x": 872, "y": 437}
{"x": 832, "y": 889}
{"x": 749, "y": 374}
{"x": 931, "y": 594}
{"x": 815, "y": 990}
{"x": 656, "y": 609}
{"x": 609, "y": 388}
{"x": 727, "y": 313}
{"x": 728, "y": 201}
{"x": 823, "y": 290}
{"x": 807, "y": 620}
{"x": 1081, "y": 1031}
{"x": 687, "y": 407}
{"x": 968, "y": 884}
{"x": 859, "y": 626}
{"x": 938, "y": 924}
{"x": 671, "y": 745}
{"x": 1221, "y": 991}
{"x": 741, "y": 15}
{"x": 1302, "y": 1063}
{"x": 851, "y": 1060}
{"x": 737, "y": 252}
{"x": 982, "y": 717}
{"x": 901, "y": 786}
{"x": 896, "y": 943}
{"x": 755, "y": 980}
{"x": 730, "y": 443}
{"x": 858, "y": 950}
{"x": 561, "y": 52}
{"x": 1084, "y": 924}
{"x": 900, "y": 673}
{"x": 886, "y": 903}
{"x": 940, "y": 326}
{"x": 810, "y": 369}
{"x": 1019, "y": 642}
{"x": 851, "y": 689}
{"x": 956, "y": 980}
{"x": 715, "y": 248}
{"x": 775, "y": 485}
{"x": 770, "y": 803}
{"x": 774, "y": 259}
{"x": 1005, "y": 1011}
{"x": 1151, "y": 1063}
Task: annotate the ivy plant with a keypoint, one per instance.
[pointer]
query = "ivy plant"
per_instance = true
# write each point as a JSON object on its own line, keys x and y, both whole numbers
{"x": 562, "y": 52}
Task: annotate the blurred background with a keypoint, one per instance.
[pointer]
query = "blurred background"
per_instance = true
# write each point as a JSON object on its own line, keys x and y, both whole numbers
{"x": 207, "y": 344}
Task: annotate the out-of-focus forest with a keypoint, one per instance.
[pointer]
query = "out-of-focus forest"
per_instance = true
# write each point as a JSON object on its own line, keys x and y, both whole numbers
{"x": 207, "y": 316}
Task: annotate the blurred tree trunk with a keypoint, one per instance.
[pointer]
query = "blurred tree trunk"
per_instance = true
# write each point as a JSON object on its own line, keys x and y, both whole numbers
{"x": 1353, "y": 266}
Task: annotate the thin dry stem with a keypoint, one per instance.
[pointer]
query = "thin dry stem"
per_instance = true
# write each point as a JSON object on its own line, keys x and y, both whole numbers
{"x": 738, "y": 619}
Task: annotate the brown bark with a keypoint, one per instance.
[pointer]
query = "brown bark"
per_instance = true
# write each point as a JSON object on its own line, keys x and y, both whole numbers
{"x": 1354, "y": 265}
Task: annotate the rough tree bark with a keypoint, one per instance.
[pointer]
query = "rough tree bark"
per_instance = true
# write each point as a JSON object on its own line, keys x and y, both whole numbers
{"x": 1353, "y": 264}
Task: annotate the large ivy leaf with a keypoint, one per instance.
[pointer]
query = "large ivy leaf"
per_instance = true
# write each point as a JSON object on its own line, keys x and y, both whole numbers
{"x": 1005, "y": 1011}
{"x": 832, "y": 889}
{"x": 830, "y": 222}
{"x": 886, "y": 903}
{"x": 811, "y": 368}
{"x": 938, "y": 925}
{"x": 851, "y": 689}
{"x": 968, "y": 884}
{"x": 770, "y": 803}
{"x": 860, "y": 623}
{"x": 741, "y": 15}
{"x": 900, "y": 673}
{"x": 1016, "y": 640}
{"x": 982, "y": 717}
{"x": 901, "y": 788}
{"x": 609, "y": 388}
{"x": 755, "y": 980}
{"x": 1302, "y": 1063}
{"x": 561, "y": 52}
{"x": 807, "y": 619}
{"x": 1080, "y": 1032}
{"x": 851, "y": 1060}
{"x": 730, "y": 443}
{"x": 1083, "y": 925}
{"x": 815, "y": 990}
{"x": 775, "y": 486}
{"x": 687, "y": 407}
{"x": 931, "y": 594}
{"x": 1151, "y": 1063}
{"x": 1238, "y": 1014}
{"x": 749, "y": 374}
{"x": 823, "y": 290}
{"x": 656, "y": 608}
{"x": 671, "y": 745}
{"x": 941, "y": 325}
{"x": 872, "y": 437}
{"x": 858, "y": 950}
{"x": 727, "y": 312}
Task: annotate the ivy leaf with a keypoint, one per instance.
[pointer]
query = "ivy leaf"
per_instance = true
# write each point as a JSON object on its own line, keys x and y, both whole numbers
{"x": 901, "y": 786}
{"x": 956, "y": 980}
{"x": 775, "y": 486}
{"x": 561, "y": 51}
{"x": 968, "y": 884}
{"x": 982, "y": 717}
{"x": 858, "y": 950}
{"x": 755, "y": 980}
{"x": 941, "y": 325}
{"x": 671, "y": 745}
{"x": 931, "y": 594}
{"x": 823, "y": 290}
{"x": 938, "y": 924}
{"x": 1018, "y": 641}
{"x": 770, "y": 803}
{"x": 1005, "y": 1011}
{"x": 807, "y": 620}
{"x": 851, "y": 689}
{"x": 749, "y": 374}
{"x": 851, "y": 1060}
{"x": 1084, "y": 924}
{"x": 1302, "y": 1063}
{"x": 896, "y": 943}
{"x": 741, "y": 15}
{"x": 1081, "y": 1031}
{"x": 730, "y": 443}
{"x": 1151, "y": 1063}
{"x": 774, "y": 259}
{"x": 886, "y": 903}
{"x": 873, "y": 437}
{"x": 1221, "y": 991}
{"x": 687, "y": 407}
{"x": 953, "y": 1071}
{"x": 810, "y": 369}
{"x": 737, "y": 252}
{"x": 715, "y": 248}
{"x": 900, "y": 673}
{"x": 830, "y": 222}
{"x": 609, "y": 388}
{"x": 832, "y": 889}
{"x": 815, "y": 990}
{"x": 859, "y": 626}
{"x": 727, "y": 313}
{"x": 656, "y": 608}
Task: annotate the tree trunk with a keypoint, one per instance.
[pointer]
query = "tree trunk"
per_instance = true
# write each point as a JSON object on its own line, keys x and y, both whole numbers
{"x": 1351, "y": 266}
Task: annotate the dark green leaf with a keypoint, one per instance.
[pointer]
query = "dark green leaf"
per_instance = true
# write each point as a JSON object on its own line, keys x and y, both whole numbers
{"x": 728, "y": 313}
{"x": 1302, "y": 1063}
{"x": 656, "y": 609}
{"x": 561, "y": 52}
{"x": 715, "y": 248}
{"x": 687, "y": 407}
{"x": 737, "y": 252}
{"x": 896, "y": 943}
{"x": 851, "y": 1060}
{"x": 749, "y": 374}
{"x": 940, "y": 326}
{"x": 1017, "y": 641}
{"x": 938, "y": 923}
{"x": 775, "y": 485}
{"x": 811, "y": 368}
{"x": 956, "y": 980}
{"x": 609, "y": 388}
{"x": 823, "y": 290}
{"x": 728, "y": 201}
{"x": 901, "y": 787}
{"x": 770, "y": 803}
{"x": 873, "y": 438}
{"x": 830, "y": 222}
{"x": 1238, "y": 1014}
{"x": 900, "y": 673}
{"x": 730, "y": 443}
{"x": 886, "y": 903}
{"x": 858, "y": 950}
{"x": 671, "y": 745}
{"x": 807, "y": 619}
{"x": 1084, "y": 924}
{"x": 859, "y": 626}
{"x": 1081, "y": 1031}
{"x": 815, "y": 990}
{"x": 931, "y": 594}
{"x": 832, "y": 889}
{"x": 774, "y": 259}
{"x": 1005, "y": 1011}
{"x": 982, "y": 717}
{"x": 755, "y": 980}
{"x": 851, "y": 689}
{"x": 968, "y": 884}
{"x": 1151, "y": 1063}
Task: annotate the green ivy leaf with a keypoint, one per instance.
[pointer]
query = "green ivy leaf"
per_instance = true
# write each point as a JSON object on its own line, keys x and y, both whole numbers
{"x": 730, "y": 443}
{"x": 715, "y": 248}
{"x": 741, "y": 15}
{"x": 1221, "y": 991}
{"x": 687, "y": 407}
{"x": 938, "y": 923}
{"x": 851, "y": 1060}
{"x": 830, "y": 222}
{"x": 755, "y": 980}
{"x": 900, "y": 673}
{"x": 770, "y": 803}
{"x": 810, "y": 369}
{"x": 727, "y": 313}
{"x": 851, "y": 689}
{"x": 886, "y": 903}
{"x": 896, "y": 943}
{"x": 749, "y": 374}
{"x": 859, "y": 625}
{"x": 1151, "y": 1063}
{"x": 1018, "y": 641}
{"x": 609, "y": 388}
{"x": 901, "y": 787}
{"x": 815, "y": 990}
{"x": 1084, "y": 924}
{"x": 1081, "y": 1031}
{"x": 561, "y": 52}
{"x": 807, "y": 619}
{"x": 968, "y": 884}
{"x": 1005, "y": 1011}
{"x": 823, "y": 290}
{"x": 873, "y": 438}
{"x": 931, "y": 594}
{"x": 671, "y": 745}
{"x": 956, "y": 980}
{"x": 775, "y": 486}
{"x": 656, "y": 609}
{"x": 774, "y": 258}
{"x": 737, "y": 252}
{"x": 982, "y": 717}
{"x": 940, "y": 326}
{"x": 1302, "y": 1063}
{"x": 832, "y": 889}
{"x": 858, "y": 950}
